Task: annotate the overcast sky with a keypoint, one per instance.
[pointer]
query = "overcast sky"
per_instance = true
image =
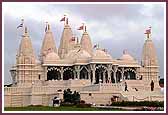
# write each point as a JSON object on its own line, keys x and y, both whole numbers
{"x": 113, "y": 26}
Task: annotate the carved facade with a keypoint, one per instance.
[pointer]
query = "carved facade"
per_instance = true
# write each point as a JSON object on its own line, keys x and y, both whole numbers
{"x": 79, "y": 66}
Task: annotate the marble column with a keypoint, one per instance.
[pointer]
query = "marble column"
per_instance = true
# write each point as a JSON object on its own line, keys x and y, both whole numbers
{"x": 77, "y": 69}
{"x": 104, "y": 77}
{"x": 62, "y": 71}
{"x": 92, "y": 66}
{"x": 114, "y": 73}
{"x": 45, "y": 71}
{"x": 122, "y": 73}
{"x": 109, "y": 76}
{"x": 89, "y": 75}
{"x": 109, "y": 69}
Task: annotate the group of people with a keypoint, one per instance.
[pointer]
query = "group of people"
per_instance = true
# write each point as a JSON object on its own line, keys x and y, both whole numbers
{"x": 152, "y": 86}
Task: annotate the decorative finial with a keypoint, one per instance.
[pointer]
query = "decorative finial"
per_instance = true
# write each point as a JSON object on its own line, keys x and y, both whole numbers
{"x": 67, "y": 21}
{"x": 125, "y": 51}
{"x": 85, "y": 28}
{"x": 48, "y": 26}
{"x": 22, "y": 20}
{"x": 25, "y": 29}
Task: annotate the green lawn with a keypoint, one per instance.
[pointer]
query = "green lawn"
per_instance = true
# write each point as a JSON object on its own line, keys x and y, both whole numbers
{"x": 61, "y": 108}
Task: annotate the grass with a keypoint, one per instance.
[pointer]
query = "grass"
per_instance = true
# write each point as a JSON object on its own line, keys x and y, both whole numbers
{"x": 61, "y": 108}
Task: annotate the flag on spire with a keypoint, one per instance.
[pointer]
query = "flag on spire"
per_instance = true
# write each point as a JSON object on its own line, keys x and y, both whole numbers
{"x": 80, "y": 28}
{"x": 63, "y": 19}
{"x": 148, "y": 31}
{"x": 20, "y": 25}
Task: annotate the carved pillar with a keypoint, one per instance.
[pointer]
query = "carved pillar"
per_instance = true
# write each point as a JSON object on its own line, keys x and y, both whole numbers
{"x": 89, "y": 72}
{"x": 93, "y": 72}
{"x": 62, "y": 71}
{"x": 122, "y": 73}
{"x": 45, "y": 72}
{"x": 109, "y": 69}
{"x": 77, "y": 69}
{"x": 104, "y": 77}
{"x": 114, "y": 73}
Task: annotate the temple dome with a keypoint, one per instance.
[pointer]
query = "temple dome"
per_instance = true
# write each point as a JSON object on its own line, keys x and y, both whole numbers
{"x": 78, "y": 54}
{"x": 52, "y": 56}
{"x": 83, "y": 54}
{"x": 127, "y": 57}
{"x": 100, "y": 54}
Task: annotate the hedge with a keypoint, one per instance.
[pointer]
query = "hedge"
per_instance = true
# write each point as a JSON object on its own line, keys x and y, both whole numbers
{"x": 141, "y": 103}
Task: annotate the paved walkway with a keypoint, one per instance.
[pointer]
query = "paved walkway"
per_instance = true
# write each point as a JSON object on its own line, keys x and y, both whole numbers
{"x": 121, "y": 107}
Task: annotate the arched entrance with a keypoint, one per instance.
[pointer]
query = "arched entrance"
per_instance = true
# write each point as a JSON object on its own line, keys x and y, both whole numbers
{"x": 112, "y": 77}
{"x": 83, "y": 73}
{"x": 118, "y": 76}
{"x": 68, "y": 74}
{"x": 129, "y": 74}
{"x": 100, "y": 74}
{"x": 53, "y": 74}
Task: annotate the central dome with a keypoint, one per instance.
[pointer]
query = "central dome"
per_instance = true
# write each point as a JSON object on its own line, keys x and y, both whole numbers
{"x": 52, "y": 56}
{"x": 126, "y": 57}
{"x": 100, "y": 54}
{"x": 78, "y": 54}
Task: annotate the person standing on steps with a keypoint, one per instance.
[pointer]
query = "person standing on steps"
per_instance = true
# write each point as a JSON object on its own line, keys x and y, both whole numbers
{"x": 152, "y": 85}
{"x": 126, "y": 86}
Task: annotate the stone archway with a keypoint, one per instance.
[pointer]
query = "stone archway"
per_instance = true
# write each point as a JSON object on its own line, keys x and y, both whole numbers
{"x": 68, "y": 74}
{"x": 53, "y": 74}
{"x": 101, "y": 74}
{"x": 130, "y": 74}
{"x": 118, "y": 76}
{"x": 83, "y": 73}
{"x": 112, "y": 77}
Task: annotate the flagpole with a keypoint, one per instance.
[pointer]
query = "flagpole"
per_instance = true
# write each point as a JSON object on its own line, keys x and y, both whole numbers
{"x": 65, "y": 20}
{"x": 23, "y": 25}
{"x": 83, "y": 28}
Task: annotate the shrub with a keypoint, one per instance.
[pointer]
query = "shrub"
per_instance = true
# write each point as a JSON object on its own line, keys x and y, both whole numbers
{"x": 141, "y": 103}
{"x": 67, "y": 104}
{"x": 82, "y": 102}
{"x": 82, "y": 105}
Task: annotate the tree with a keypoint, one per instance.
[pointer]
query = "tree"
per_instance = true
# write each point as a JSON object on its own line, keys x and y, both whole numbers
{"x": 70, "y": 97}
